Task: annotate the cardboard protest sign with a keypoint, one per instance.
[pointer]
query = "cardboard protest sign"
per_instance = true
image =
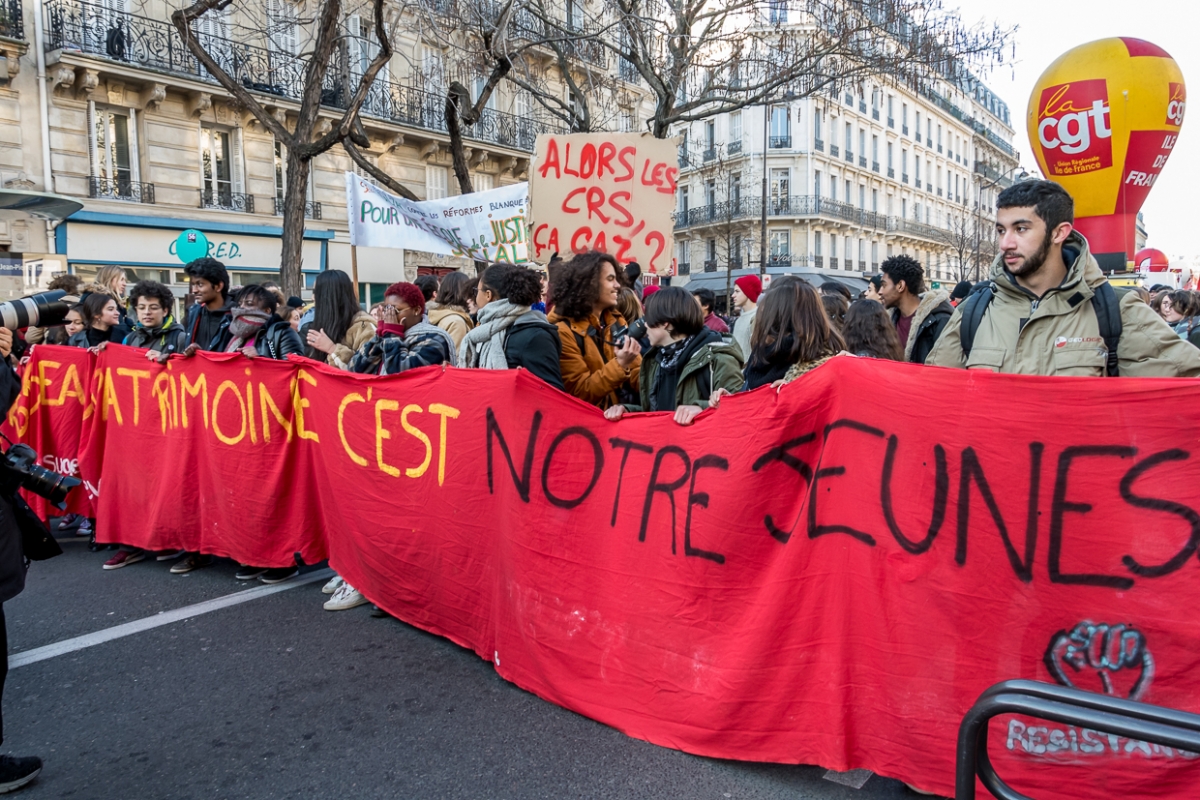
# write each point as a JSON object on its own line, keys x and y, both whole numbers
{"x": 489, "y": 226}
{"x": 612, "y": 192}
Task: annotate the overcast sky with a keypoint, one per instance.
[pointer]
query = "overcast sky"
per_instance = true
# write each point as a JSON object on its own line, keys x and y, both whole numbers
{"x": 1046, "y": 29}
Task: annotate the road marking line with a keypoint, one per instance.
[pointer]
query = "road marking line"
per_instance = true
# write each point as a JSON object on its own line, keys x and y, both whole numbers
{"x": 163, "y": 618}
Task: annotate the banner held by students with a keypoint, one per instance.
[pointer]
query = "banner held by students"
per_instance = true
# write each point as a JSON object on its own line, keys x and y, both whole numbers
{"x": 489, "y": 226}
{"x": 612, "y": 192}
{"x": 807, "y": 576}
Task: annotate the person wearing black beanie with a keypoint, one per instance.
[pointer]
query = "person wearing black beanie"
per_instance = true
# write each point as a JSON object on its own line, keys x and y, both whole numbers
{"x": 960, "y": 292}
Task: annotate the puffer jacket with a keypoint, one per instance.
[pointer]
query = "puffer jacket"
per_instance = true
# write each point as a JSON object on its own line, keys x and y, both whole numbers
{"x": 1062, "y": 334}
{"x": 715, "y": 363}
{"x": 454, "y": 321}
{"x": 929, "y": 320}
{"x": 590, "y": 373}
{"x": 170, "y": 337}
{"x": 361, "y": 331}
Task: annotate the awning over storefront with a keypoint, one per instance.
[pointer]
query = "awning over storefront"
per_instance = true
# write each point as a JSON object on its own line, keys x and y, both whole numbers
{"x": 716, "y": 281}
{"x": 42, "y": 205}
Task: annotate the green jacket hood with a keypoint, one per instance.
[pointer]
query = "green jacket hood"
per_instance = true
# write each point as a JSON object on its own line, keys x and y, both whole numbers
{"x": 1083, "y": 273}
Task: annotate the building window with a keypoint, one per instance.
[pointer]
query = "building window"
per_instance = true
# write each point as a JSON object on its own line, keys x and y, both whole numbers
{"x": 817, "y": 126}
{"x": 735, "y": 127}
{"x": 818, "y": 238}
{"x": 483, "y": 182}
{"x": 217, "y": 160}
{"x": 849, "y": 140}
{"x": 710, "y": 193}
{"x": 817, "y": 183}
{"x": 113, "y": 146}
{"x": 710, "y": 135}
{"x": 280, "y": 173}
{"x": 781, "y": 245}
{"x": 683, "y": 200}
{"x": 436, "y": 180}
{"x": 283, "y": 31}
{"x": 710, "y": 251}
{"x": 779, "y": 186}
{"x": 735, "y": 189}
{"x": 890, "y": 160}
{"x": 875, "y": 200}
{"x": 780, "y": 129}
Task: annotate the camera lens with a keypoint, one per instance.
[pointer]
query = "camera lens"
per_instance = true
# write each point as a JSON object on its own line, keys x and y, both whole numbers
{"x": 50, "y": 485}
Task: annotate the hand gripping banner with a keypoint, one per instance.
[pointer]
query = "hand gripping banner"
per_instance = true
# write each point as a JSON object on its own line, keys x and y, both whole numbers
{"x": 830, "y": 574}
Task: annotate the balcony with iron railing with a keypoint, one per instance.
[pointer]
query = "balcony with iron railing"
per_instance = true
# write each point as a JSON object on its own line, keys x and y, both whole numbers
{"x": 750, "y": 208}
{"x": 904, "y": 130}
{"x": 849, "y": 156}
{"x": 710, "y": 154}
{"x": 875, "y": 114}
{"x": 734, "y": 148}
{"x": 120, "y": 189}
{"x": 833, "y": 150}
{"x": 683, "y": 268}
{"x": 96, "y": 30}
{"x": 227, "y": 200}
{"x": 312, "y": 210}
{"x": 780, "y": 142}
{"x": 818, "y": 144}
{"x": 710, "y": 266}
{"x": 875, "y": 166}
{"x": 12, "y": 23}
{"x": 862, "y": 161}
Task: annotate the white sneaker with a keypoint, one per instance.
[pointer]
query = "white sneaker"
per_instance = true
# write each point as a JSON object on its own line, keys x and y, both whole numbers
{"x": 344, "y": 598}
{"x": 332, "y": 586}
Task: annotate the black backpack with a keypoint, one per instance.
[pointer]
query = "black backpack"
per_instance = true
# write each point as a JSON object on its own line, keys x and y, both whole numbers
{"x": 1105, "y": 303}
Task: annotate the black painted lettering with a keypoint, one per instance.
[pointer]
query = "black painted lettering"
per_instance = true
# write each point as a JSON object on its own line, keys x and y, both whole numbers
{"x": 700, "y": 499}
{"x": 1154, "y": 504}
{"x": 522, "y": 481}
{"x": 1061, "y": 506}
{"x": 665, "y": 487}
{"x": 815, "y": 530}
{"x": 626, "y": 445}
{"x": 597, "y": 466}
{"x": 783, "y": 455}
{"x": 941, "y": 489}
{"x": 972, "y": 472}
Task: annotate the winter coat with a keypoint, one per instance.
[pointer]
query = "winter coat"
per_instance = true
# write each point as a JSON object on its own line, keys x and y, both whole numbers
{"x": 199, "y": 319}
{"x": 1189, "y": 330}
{"x": 590, "y": 370}
{"x": 715, "y": 323}
{"x": 170, "y": 337}
{"x": 90, "y": 337}
{"x": 743, "y": 328}
{"x": 392, "y": 349}
{"x": 714, "y": 364}
{"x": 802, "y": 367}
{"x": 533, "y": 344}
{"x": 277, "y": 339}
{"x": 361, "y": 331}
{"x": 12, "y": 553}
{"x": 453, "y": 320}
{"x": 1059, "y": 334}
{"x": 929, "y": 320}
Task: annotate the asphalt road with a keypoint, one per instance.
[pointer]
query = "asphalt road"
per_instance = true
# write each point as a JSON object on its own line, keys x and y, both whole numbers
{"x": 277, "y": 698}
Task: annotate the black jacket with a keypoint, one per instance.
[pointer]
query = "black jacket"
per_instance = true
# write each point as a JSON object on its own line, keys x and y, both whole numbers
{"x": 203, "y": 326}
{"x": 276, "y": 340}
{"x": 929, "y": 320}
{"x": 90, "y": 337}
{"x": 533, "y": 343}
{"x": 12, "y": 555}
{"x": 170, "y": 338}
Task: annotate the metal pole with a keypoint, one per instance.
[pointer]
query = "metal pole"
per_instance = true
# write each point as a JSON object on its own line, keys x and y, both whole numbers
{"x": 762, "y": 255}
{"x": 354, "y": 268}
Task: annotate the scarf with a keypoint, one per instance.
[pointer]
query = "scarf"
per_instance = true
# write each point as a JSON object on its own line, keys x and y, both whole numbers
{"x": 1185, "y": 327}
{"x": 671, "y": 361}
{"x": 244, "y": 325}
{"x": 483, "y": 346}
{"x": 762, "y": 369}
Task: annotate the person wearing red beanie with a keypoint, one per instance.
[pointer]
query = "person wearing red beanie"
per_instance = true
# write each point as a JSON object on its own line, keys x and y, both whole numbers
{"x": 746, "y": 291}
{"x": 649, "y": 290}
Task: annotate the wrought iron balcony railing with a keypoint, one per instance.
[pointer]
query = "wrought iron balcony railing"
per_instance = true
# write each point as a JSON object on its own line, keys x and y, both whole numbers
{"x": 819, "y": 145}
{"x": 97, "y": 30}
{"x": 710, "y": 266}
{"x": 780, "y": 142}
{"x": 850, "y": 156}
{"x": 735, "y": 147}
{"x": 833, "y": 150}
{"x": 120, "y": 189}
{"x": 311, "y": 210}
{"x": 875, "y": 166}
{"x": 710, "y": 154}
{"x": 862, "y": 161}
{"x": 227, "y": 200}
{"x": 12, "y": 22}
{"x": 683, "y": 268}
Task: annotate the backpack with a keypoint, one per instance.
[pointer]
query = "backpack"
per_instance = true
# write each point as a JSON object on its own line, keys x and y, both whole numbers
{"x": 1105, "y": 303}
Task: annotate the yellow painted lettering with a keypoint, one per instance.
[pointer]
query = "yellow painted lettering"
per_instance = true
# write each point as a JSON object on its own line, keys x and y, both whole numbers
{"x": 353, "y": 397}
{"x": 228, "y": 386}
{"x": 381, "y": 433}
{"x": 200, "y": 387}
{"x": 416, "y": 433}
{"x": 444, "y": 412}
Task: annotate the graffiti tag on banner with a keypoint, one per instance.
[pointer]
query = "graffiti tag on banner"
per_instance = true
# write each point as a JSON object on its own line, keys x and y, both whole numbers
{"x": 612, "y": 192}
{"x": 489, "y": 226}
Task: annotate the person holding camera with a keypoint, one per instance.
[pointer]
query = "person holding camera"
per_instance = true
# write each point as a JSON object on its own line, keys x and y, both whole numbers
{"x": 14, "y": 772}
{"x": 600, "y": 359}
{"x": 687, "y": 361}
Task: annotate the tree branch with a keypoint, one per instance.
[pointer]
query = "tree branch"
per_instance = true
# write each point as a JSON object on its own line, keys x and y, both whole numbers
{"x": 375, "y": 172}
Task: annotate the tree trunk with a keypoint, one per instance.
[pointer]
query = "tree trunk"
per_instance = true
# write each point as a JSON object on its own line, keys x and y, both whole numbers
{"x": 295, "y": 194}
{"x": 454, "y": 128}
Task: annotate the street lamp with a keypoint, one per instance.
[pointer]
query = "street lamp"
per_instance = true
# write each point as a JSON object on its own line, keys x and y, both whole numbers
{"x": 979, "y": 205}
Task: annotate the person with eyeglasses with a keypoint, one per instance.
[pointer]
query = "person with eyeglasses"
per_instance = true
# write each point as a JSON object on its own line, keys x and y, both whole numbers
{"x": 403, "y": 339}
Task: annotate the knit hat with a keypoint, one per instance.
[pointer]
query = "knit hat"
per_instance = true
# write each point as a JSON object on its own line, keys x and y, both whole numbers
{"x": 649, "y": 290}
{"x": 751, "y": 286}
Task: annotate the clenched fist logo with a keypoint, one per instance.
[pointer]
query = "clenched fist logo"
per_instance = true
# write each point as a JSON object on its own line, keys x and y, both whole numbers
{"x": 1112, "y": 659}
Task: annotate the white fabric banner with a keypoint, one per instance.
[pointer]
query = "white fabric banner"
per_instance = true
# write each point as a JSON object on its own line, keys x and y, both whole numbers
{"x": 490, "y": 226}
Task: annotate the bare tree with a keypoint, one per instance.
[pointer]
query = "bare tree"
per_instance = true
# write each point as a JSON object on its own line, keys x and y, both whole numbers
{"x": 700, "y": 58}
{"x": 308, "y": 137}
{"x": 969, "y": 243}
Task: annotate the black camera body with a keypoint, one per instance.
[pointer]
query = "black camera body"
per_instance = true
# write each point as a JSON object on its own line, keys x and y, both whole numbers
{"x": 619, "y": 333}
{"x": 20, "y": 460}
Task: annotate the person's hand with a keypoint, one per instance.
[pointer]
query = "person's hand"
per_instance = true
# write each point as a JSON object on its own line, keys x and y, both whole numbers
{"x": 154, "y": 355}
{"x": 628, "y": 352}
{"x": 685, "y": 414}
{"x": 191, "y": 350}
{"x": 614, "y": 413}
{"x": 98, "y": 349}
{"x": 6, "y": 342}
{"x": 389, "y": 314}
{"x": 249, "y": 352}
{"x": 777, "y": 385}
{"x": 714, "y": 400}
{"x": 319, "y": 340}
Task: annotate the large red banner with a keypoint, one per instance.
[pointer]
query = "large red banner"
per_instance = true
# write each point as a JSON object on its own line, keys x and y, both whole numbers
{"x": 830, "y": 574}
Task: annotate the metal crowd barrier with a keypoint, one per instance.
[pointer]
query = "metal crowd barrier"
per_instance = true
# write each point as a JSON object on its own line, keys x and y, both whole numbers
{"x": 1102, "y": 713}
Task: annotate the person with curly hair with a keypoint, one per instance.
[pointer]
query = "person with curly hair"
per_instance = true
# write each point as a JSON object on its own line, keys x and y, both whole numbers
{"x": 919, "y": 315}
{"x": 595, "y": 367}
{"x": 510, "y": 334}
